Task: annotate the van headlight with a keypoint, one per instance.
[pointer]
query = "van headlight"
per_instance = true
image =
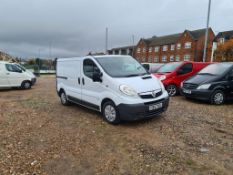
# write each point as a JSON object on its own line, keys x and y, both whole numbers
{"x": 128, "y": 90}
{"x": 204, "y": 86}
{"x": 163, "y": 77}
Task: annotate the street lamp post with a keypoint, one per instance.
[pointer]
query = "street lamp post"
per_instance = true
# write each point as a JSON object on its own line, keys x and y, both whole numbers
{"x": 207, "y": 32}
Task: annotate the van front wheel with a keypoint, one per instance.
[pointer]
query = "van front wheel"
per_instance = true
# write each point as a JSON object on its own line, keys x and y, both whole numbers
{"x": 218, "y": 97}
{"x": 63, "y": 98}
{"x": 26, "y": 85}
{"x": 110, "y": 113}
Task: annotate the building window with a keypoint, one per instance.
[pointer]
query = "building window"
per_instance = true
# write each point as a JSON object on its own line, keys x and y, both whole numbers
{"x": 188, "y": 45}
{"x": 177, "y": 58}
{"x": 178, "y": 46}
{"x": 172, "y": 58}
{"x": 150, "y": 59}
{"x": 156, "y": 60}
{"x": 143, "y": 60}
{"x": 157, "y": 49}
{"x": 222, "y": 40}
{"x": 150, "y": 49}
{"x": 187, "y": 57}
{"x": 172, "y": 47}
{"x": 138, "y": 50}
{"x": 165, "y": 48}
{"x": 144, "y": 50}
{"x": 164, "y": 59}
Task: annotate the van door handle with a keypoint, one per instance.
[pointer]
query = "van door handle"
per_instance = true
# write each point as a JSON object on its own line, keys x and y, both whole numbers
{"x": 83, "y": 81}
{"x": 78, "y": 80}
{"x": 8, "y": 73}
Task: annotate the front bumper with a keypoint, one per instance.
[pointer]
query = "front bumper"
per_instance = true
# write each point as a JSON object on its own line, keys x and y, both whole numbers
{"x": 131, "y": 112}
{"x": 197, "y": 94}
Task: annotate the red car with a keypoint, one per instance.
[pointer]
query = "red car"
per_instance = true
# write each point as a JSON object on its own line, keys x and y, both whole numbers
{"x": 172, "y": 74}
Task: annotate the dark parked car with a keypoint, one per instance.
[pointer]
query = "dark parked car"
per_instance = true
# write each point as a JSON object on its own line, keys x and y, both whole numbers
{"x": 214, "y": 83}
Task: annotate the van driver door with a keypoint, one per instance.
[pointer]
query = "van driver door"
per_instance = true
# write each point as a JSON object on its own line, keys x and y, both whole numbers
{"x": 91, "y": 91}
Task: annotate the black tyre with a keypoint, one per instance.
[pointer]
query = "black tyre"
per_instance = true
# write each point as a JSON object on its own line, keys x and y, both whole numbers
{"x": 218, "y": 97}
{"x": 26, "y": 85}
{"x": 172, "y": 90}
{"x": 110, "y": 113}
{"x": 64, "y": 99}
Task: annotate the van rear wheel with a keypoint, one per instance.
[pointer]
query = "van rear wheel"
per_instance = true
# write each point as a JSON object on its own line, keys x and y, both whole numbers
{"x": 64, "y": 99}
{"x": 110, "y": 113}
{"x": 172, "y": 90}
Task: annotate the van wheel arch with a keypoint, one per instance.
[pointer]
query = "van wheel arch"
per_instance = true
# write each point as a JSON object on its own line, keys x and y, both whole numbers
{"x": 105, "y": 101}
{"x": 60, "y": 91}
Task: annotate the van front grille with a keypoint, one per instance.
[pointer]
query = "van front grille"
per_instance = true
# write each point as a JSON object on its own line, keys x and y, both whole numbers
{"x": 151, "y": 94}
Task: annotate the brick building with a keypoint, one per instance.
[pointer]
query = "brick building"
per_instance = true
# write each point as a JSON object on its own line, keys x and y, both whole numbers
{"x": 186, "y": 46}
{"x": 222, "y": 37}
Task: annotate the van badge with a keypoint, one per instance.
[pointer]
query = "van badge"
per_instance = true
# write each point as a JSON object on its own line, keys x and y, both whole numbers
{"x": 154, "y": 94}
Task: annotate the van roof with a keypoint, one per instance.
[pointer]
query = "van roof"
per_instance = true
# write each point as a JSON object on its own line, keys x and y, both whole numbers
{"x": 90, "y": 56}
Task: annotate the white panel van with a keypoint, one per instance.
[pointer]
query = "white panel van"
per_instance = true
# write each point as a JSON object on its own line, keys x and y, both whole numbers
{"x": 14, "y": 75}
{"x": 117, "y": 86}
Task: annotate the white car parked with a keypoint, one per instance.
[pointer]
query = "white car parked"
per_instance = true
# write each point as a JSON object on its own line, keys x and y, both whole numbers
{"x": 117, "y": 86}
{"x": 13, "y": 75}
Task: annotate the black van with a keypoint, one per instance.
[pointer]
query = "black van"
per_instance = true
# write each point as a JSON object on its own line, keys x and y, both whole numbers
{"x": 214, "y": 83}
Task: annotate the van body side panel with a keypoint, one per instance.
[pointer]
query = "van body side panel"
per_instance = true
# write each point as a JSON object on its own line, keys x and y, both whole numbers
{"x": 15, "y": 78}
{"x": 3, "y": 76}
{"x": 68, "y": 73}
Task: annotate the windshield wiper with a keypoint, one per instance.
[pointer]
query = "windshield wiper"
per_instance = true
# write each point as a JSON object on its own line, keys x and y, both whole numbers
{"x": 206, "y": 74}
{"x": 132, "y": 75}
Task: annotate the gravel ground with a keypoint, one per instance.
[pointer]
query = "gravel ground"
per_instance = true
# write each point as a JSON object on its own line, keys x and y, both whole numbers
{"x": 40, "y": 136}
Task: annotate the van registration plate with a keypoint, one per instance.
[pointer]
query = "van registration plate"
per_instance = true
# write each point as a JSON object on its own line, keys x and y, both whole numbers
{"x": 187, "y": 91}
{"x": 155, "y": 106}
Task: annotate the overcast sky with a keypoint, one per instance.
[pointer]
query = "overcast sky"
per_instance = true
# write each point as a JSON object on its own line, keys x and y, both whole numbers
{"x": 75, "y": 27}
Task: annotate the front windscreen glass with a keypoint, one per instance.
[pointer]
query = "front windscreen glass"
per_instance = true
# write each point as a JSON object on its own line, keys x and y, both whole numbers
{"x": 170, "y": 67}
{"x": 21, "y": 67}
{"x": 121, "y": 66}
{"x": 215, "y": 69}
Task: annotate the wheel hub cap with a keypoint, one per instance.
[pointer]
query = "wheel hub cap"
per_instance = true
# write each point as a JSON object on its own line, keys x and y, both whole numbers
{"x": 110, "y": 113}
{"x": 218, "y": 98}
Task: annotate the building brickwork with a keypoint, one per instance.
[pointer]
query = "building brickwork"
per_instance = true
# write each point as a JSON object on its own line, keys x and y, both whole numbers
{"x": 186, "y": 46}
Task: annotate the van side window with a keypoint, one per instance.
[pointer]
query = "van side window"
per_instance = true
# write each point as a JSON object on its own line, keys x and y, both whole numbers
{"x": 12, "y": 68}
{"x": 89, "y": 67}
{"x": 187, "y": 68}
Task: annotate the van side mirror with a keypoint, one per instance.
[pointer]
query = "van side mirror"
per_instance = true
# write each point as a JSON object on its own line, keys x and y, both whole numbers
{"x": 180, "y": 72}
{"x": 97, "y": 77}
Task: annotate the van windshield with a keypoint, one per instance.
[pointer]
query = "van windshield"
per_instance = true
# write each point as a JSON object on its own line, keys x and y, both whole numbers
{"x": 168, "y": 68}
{"x": 121, "y": 66}
{"x": 215, "y": 69}
{"x": 20, "y": 67}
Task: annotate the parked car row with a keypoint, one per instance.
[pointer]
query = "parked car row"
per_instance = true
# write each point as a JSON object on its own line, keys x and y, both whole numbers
{"x": 211, "y": 82}
{"x": 15, "y": 75}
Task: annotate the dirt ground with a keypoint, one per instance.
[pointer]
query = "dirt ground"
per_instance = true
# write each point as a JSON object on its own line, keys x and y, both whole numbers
{"x": 40, "y": 136}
